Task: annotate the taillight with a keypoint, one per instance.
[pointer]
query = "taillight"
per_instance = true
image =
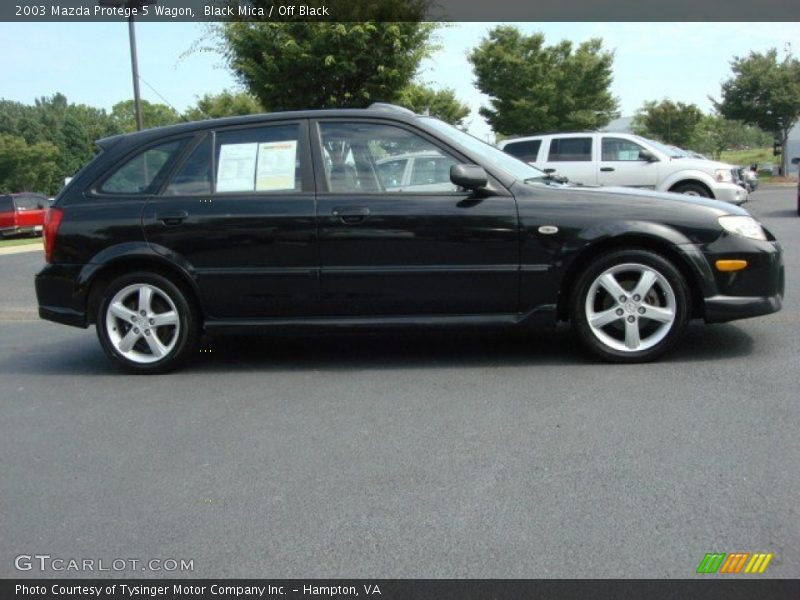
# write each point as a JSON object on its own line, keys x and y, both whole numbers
{"x": 52, "y": 219}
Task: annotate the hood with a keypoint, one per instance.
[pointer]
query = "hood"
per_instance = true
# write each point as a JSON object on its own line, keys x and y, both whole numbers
{"x": 703, "y": 165}
{"x": 722, "y": 207}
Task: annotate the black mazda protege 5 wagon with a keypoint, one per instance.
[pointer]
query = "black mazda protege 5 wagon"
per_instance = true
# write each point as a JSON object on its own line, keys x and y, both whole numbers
{"x": 379, "y": 218}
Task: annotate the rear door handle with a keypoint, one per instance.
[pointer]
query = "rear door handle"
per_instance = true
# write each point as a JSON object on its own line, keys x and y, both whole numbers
{"x": 351, "y": 214}
{"x": 172, "y": 217}
{"x": 606, "y": 169}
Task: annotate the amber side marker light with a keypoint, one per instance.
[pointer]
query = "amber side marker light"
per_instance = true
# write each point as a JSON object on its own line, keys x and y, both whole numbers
{"x": 731, "y": 265}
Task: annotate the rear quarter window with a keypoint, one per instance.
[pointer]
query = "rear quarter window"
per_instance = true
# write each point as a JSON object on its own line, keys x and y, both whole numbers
{"x": 140, "y": 174}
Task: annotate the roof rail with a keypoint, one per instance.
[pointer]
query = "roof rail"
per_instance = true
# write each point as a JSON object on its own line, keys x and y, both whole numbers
{"x": 385, "y": 106}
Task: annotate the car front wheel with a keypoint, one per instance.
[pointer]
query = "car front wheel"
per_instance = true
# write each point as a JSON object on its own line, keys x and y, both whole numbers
{"x": 630, "y": 306}
{"x": 146, "y": 324}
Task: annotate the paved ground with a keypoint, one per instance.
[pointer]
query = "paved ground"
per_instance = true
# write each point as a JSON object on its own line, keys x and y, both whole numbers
{"x": 406, "y": 456}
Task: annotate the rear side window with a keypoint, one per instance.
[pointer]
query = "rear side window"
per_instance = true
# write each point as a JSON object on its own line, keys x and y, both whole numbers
{"x": 571, "y": 149}
{"x": 138, "y": 175}
{"x": 194, "y": 175}
{"x": 527, "y": 150}
{"x": 258, "y": 159}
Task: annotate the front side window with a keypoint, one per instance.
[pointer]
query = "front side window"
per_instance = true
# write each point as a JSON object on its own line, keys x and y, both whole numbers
{"x": 570, "y": 149}
{"x": 527, "y": 150}
{"x": 259, "y": 159}
{"x": 138, "y": 175}
{"x": 372, "y": 158}
{"x": 618, "y": 149}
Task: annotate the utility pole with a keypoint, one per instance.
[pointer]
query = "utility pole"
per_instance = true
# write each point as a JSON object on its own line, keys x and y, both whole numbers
{"x": 137, "y": 5}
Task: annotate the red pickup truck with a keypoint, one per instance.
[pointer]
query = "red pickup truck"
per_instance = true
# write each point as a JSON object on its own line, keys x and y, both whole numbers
{"x": 22, "y": 213}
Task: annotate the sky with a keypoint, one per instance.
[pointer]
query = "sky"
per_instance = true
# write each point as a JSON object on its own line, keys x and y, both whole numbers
{"x": 90, "y": 62}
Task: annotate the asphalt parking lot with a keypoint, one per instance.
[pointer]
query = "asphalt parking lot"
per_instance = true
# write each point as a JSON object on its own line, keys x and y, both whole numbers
{"x": 436, "y": 455}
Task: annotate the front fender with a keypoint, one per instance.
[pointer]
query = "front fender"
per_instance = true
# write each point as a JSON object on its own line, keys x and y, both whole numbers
{"x": 687, "y": 175}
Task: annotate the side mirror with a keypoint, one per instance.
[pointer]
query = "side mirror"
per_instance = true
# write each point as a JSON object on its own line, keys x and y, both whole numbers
{"x": 647, "y": 155}
{"x": 471, "y": 177}
{"x": 796, "y": 160}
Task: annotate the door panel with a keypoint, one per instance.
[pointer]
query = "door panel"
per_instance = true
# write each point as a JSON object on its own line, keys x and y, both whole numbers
{"x": 252, "y": 245}
{"x": 620, "y": 164}
{"x": 411, "y": 252}
{"x": 573, "y": 157}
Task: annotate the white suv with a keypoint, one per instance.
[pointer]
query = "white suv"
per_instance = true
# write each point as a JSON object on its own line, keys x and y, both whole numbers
{"x": 623, "y": 159}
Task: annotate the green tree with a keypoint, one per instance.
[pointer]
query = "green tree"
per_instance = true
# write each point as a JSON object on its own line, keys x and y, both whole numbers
{"x": 154, "y": 114}
{"x": 764, "y": 91}
{"x": 224, "y": 104}
{"x": 671, "y": 122}
{"x": 26, "y": 167}
{"x": 715, "y": 134}
{"x": 441, "y": 104}
{"x": 71, "y": 128}
{"x": 533, "y": 87}
{"x": 296, "y": 65}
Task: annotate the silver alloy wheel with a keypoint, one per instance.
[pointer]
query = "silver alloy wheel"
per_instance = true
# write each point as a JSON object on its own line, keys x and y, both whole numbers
{"x": 630, "y": 307}
{"x": 142, "y": 323}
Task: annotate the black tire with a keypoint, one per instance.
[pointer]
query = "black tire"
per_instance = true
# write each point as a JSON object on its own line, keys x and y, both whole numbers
{"x": 692, "y": 189}
{"x": 185, "y": 336}
{"x": 678, "y": 304}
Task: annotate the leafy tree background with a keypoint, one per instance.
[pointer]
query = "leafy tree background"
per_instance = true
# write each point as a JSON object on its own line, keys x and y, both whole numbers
{"x": 294, "y": 66}
{"x": 673, "y": 123}
{"x": 764, "y": 91}
{"x": 534, "y": 87}
{"x": 441, "y": 104}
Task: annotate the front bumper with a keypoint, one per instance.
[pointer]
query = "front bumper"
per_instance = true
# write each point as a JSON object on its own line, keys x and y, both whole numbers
{"x": 730, "y": 192}
{"x": 756, "y": 290}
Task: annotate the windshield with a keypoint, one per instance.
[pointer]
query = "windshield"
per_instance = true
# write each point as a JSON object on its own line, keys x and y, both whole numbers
{"x": 670, "y": 151}
{"x": 513, "y": 167}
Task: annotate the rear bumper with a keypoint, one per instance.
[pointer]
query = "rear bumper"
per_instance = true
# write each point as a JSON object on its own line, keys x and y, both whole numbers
{"x": 59, "y": 297}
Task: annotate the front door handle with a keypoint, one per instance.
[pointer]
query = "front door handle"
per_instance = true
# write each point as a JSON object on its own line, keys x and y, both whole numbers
{"x": 350, "y": 215}
{"x": 172, "y": 217}
{"x": 549, "y": 170}
{"x": 606, "y": 169}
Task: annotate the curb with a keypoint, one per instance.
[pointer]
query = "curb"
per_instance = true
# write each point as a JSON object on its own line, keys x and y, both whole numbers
{"x": 22, "y": 248}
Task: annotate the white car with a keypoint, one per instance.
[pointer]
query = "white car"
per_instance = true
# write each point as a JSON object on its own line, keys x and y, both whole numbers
{"x": 623, "y": 159}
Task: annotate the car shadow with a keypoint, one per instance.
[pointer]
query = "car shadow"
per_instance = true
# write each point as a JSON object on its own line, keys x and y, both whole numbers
{"x": 389, "y": 350}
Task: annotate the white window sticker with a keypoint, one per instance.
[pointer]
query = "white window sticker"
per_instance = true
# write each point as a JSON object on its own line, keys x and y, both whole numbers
{"x": 237, "y": 167}
{"x": 276, "y": 166}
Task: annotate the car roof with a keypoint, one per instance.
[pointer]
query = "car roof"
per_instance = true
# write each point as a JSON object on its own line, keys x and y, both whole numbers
{"x": 375, "y": 110}
{"x": 538, "y": 136}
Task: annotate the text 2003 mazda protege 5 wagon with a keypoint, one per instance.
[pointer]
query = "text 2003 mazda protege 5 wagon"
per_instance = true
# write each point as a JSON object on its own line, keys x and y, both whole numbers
{"x": 379, "y": 218}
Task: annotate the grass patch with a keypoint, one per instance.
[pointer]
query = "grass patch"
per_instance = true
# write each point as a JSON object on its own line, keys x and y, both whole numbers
{"x": 747, "y": 157}
{"x": 21, "y": 241}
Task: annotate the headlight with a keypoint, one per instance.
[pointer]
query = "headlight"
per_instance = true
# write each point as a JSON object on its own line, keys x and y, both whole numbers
{"x": 723, "y": 175}
{"x": 745, "y": 226}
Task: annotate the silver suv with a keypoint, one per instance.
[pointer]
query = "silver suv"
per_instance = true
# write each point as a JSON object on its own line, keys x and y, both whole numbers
{"x": 623, "y": 159}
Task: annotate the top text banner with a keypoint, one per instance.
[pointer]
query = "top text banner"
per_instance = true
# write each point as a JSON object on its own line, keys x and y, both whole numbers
{"x": 67, "y": 11}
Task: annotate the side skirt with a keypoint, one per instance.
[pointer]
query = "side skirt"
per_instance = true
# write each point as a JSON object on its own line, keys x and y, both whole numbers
{"x": 542, "y": 317}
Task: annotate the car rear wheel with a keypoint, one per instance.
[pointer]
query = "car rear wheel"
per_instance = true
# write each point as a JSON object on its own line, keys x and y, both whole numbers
{"x": 146, "y": 324}
{"x": 630, "y": 306}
